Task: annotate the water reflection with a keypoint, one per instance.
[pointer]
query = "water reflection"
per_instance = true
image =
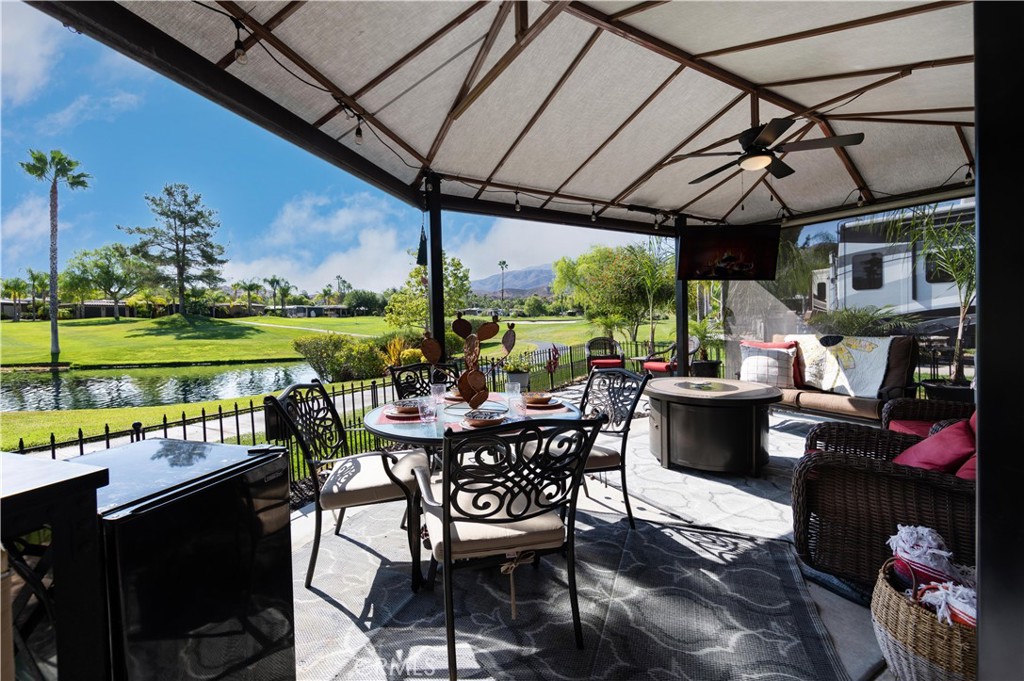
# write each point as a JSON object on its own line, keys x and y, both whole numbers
{"x": 101, "y": 389}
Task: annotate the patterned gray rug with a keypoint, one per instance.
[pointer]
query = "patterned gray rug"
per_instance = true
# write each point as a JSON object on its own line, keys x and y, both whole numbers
{"x": 660, "y": 602}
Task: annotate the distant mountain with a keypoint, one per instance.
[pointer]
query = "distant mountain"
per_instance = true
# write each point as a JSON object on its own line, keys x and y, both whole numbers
{"x": 518, "y": 283}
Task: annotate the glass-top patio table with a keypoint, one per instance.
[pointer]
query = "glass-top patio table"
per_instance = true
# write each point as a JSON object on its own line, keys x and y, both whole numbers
{"x": 385, "y": 423}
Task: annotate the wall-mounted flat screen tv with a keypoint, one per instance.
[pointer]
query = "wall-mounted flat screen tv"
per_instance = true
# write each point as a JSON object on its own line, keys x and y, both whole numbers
{"x": 729, "y": 252}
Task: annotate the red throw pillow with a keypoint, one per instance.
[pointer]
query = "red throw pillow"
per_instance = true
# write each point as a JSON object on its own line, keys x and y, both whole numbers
{"x": 969, "y": 470}
{"x": 945, "y": 451}
{"x": 919, "y": 428}
{"x": 798, "y": 374}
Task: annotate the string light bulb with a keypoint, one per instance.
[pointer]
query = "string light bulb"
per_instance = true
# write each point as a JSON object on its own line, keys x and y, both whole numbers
{"x": 359, "y": 129}
{"x": 518, "y": 207}
{"x": 593, "y": 213}
{"x": 860, "y": 198}
{"x": 240, "y": 55}
{"x": 969, "y": 176}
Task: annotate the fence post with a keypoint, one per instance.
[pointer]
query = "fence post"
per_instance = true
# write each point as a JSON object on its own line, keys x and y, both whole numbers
{"x": 53, "y": 447}
{"x": 81, "y": 442}
{"x": 136, "y": 431}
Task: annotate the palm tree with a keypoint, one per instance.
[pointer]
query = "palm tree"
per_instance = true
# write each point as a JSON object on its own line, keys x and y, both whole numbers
{"x": 325, "y": 294}
{"x": 16, "y": 289}
{"x": 286, "y": 289}
{"x": 274, "y": 283}
{"x": 37, "y": 282}
{"x": 54, "y": 169}
{"x": 504, "y": 266}
{"x": 250, "y": 286}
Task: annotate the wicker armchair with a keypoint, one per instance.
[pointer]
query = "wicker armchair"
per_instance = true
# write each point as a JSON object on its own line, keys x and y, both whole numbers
{"x": 902, "y": 413}
{"x": 848, "y": 498}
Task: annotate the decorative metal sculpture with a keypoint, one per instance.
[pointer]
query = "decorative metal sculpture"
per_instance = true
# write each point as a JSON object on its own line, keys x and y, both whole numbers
{"x": 472, "y": 383}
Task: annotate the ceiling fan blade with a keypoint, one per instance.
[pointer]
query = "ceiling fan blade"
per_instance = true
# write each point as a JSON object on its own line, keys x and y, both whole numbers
{"x": 779, "y": 169}
{"x": 680, "y": 157}
{"x": 772, "y": 131}
{"x": 714, "y": 172}
{"x": 822, "y": 143}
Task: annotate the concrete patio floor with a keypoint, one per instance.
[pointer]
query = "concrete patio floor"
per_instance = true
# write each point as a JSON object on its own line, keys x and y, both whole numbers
{"x": 753, "y": 506}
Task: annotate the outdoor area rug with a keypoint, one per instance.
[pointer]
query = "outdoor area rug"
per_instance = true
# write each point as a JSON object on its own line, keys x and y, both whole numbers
{"x": 663, "y": 601}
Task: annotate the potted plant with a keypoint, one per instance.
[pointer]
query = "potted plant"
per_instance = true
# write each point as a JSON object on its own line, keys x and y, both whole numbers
{"x": 951, "y": 249}
{"x": 711, "y": 336}
{"x": 517, "y": 370}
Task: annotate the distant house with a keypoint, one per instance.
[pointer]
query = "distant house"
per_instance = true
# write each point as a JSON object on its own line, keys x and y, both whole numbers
{"x": 98, "y": 309}
{"x": 7, "y": 307}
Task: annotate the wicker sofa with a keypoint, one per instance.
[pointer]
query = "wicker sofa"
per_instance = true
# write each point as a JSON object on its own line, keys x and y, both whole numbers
{"x": 848, "y": 498}
{"x": 897, "y": 381}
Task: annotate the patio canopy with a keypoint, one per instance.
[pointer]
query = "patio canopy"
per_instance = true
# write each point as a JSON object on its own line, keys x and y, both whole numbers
{"x": 578, "y": 112}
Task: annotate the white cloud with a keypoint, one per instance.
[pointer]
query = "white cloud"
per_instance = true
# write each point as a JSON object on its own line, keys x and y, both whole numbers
{"x": 86, "y": 108}
{"x": 524, "y": 244}
{"x": 317, "y": 218}
{"x": 25, "y": 229}
{"x": 376, "y": 261}
{"x": 29, "y": 49}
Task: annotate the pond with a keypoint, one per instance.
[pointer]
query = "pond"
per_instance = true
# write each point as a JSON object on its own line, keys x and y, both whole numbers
{"x": 100, "y": 389}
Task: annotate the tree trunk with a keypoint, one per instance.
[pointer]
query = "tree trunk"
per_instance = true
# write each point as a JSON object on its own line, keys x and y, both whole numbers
{"x": 54, "y": 341}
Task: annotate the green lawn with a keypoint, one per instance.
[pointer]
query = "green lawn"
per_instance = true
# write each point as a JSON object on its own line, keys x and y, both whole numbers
{"x": 100, "y": 342}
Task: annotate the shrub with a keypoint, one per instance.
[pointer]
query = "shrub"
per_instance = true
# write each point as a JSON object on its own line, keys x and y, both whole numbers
{"x": 411, "y": 356}
{"x": 410, "y": 338}
{"x": 323, "y": 352}
{"x": 361, "y": 359}
{"x": 517, "y": 362}
{"x": 65, "y": 313}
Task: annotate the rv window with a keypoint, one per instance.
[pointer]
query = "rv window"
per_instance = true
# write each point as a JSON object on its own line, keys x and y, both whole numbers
{"x": 867, "y": 271}
{"x": 819, "y": 291}
{"x": 932, "y": 273}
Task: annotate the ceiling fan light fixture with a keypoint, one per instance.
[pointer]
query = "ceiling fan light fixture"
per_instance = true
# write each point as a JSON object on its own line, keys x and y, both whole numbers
{"x": 755, "y": 160}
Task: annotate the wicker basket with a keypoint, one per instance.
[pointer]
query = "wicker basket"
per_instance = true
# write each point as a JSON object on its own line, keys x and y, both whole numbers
{"x": 915, "y": 644}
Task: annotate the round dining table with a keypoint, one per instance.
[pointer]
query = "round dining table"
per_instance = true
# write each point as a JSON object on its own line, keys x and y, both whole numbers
{"x": 385, "y": 423}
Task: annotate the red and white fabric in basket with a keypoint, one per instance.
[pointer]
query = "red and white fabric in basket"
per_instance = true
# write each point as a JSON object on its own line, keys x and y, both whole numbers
{"x": 919, "y": 552}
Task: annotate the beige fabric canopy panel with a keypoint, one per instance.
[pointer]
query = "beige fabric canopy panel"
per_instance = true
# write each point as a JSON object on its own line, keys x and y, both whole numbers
{"x": 580, "y": 109}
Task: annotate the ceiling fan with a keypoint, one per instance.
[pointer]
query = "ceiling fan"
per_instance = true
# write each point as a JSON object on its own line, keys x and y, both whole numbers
{"x": 757, "y": 155}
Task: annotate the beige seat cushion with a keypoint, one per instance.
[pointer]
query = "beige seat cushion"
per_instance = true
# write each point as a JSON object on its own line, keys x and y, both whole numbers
{"x": 360, "y": 479}
{"x": 473, "y": 540}
{"x": 603, "y": 457}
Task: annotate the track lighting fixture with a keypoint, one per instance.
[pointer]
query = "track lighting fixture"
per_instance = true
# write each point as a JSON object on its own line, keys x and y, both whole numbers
{"x": 240, "y": 56}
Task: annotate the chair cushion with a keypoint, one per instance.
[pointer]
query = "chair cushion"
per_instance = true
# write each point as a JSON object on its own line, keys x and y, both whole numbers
{"x": 659, "y": 367}
{"x": 360, "y": 479}
{"x": 602, "y": 457}
{"x": 911, "y": 426}
{"x": 475, "y": 540}
{"x": 946, "y": 451}
{"x": 607, "y": 363}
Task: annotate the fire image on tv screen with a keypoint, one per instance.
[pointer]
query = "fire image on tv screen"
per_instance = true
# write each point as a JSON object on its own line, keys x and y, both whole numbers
{"x": 729, "y": 252}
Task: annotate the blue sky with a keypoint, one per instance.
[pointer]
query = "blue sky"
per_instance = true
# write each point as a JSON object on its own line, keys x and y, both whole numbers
{"x": 282, "y": 211}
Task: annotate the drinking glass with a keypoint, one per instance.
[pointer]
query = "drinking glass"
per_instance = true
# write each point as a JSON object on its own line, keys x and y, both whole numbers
{"x": 437, "y": 391}
{"x": 512, "y": 393}
{"x": 428, "y": 409}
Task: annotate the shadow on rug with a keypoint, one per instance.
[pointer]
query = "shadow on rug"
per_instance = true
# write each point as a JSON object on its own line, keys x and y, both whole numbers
{"x": 664, "y": 601}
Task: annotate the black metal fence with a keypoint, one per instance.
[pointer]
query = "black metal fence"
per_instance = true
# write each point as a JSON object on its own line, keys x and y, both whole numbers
{"x": 243, "y": 423}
